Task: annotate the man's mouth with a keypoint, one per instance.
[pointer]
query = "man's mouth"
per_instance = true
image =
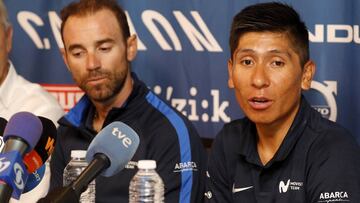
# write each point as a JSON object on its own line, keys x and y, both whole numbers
{"x": 260, "y": 103}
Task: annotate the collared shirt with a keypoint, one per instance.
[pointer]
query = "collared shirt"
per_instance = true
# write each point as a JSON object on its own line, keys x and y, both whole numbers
{"x": 318, "y": 161}
{"x": 16, "y": 95}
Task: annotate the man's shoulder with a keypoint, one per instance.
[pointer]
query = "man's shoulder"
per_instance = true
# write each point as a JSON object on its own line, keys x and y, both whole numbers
{"x": 330, "y": 139}
{"x": 329, "y": 132}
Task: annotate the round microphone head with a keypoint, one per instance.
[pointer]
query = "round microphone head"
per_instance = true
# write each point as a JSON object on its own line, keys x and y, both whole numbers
{"x": 24, "y": 125}
{"x": 118, "y": 142}
{"x": 44, "y": 148}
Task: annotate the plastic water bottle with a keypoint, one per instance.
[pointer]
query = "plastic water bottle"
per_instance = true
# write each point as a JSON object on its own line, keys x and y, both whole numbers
{"x": 74, "y": 168}
{"x": 146, "y": 185}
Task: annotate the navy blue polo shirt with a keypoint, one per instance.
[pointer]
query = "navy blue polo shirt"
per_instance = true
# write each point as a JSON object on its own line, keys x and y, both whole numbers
{"x": 318, "y": 161}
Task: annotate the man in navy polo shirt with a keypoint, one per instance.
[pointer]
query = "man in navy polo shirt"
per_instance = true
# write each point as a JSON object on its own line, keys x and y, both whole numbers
{"x": 283, "y": 150}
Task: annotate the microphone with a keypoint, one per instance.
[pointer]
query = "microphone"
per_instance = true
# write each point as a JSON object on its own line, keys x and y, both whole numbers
{"x": 44, "y": 148}
{"x": 108, "y": 153}
{"x": 34, "y": 160}
{"x": 34, "y": 179}
{"x": 21, "y": 134}
{"x": 3, "y": 123}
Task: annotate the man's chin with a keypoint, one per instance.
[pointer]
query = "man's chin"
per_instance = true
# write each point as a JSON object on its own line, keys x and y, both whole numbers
{"x": 100, "y": 96}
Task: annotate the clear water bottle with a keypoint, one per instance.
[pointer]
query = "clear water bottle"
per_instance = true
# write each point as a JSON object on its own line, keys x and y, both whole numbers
{"x": 74, "y": 168}
{"x": 146, "y": 185}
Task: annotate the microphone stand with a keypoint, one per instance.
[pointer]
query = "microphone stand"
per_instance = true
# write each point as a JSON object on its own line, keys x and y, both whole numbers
{"x": 72, "y": 192}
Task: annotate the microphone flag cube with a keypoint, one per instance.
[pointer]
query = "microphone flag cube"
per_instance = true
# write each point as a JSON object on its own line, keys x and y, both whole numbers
{"x": 13, "y": 172}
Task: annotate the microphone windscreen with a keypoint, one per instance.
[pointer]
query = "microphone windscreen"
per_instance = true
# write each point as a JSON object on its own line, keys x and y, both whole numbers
{"x": 44, "y": 148}
{"x": 3, "y": 123}
{"x": 46, "y": 144}
{"x": 26, "y": 126}
{"x": 118, "y": 142}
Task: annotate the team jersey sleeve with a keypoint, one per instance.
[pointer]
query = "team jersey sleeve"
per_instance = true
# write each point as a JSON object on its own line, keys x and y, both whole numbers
{"x": 217, "y": 181}
{"x": 334, "y": 171}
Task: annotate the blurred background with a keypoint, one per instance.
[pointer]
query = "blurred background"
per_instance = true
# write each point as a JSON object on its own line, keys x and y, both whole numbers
{"x": 183, "y": 53}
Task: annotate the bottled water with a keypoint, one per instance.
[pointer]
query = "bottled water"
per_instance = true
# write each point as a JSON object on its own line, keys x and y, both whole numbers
{"x": 146, "y": 185}
{"x": 74, "y": 168}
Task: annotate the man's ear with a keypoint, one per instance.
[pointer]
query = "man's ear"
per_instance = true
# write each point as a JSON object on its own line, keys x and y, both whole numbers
{"x": 9, "y": 36}
{"x": 63, "y": 54}
{"x": 307, "y": 75}
{"x": 230, "y": 71}
{"x": 131, "y": 43}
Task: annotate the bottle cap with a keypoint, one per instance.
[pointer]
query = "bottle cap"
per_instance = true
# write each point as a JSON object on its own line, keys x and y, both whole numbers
{"x": 147, "y": 164}
{"x": 78, "y": 153}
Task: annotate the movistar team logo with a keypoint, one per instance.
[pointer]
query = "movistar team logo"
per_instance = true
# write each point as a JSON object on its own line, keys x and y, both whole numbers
{"x": 289, "y": 185}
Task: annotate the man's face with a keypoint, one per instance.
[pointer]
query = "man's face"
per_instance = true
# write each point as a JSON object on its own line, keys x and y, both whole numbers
{"x": 5, "y": 47}
{"x": 267, "y": 77}
{"x": 97, "y": 54}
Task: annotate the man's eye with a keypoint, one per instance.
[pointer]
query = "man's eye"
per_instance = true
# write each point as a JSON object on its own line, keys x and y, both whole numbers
{"x": 77, "y": 54}
{"x": 105, "y": 49}
{"x": 277, "y": 63}
{"x": 246, "y": 62}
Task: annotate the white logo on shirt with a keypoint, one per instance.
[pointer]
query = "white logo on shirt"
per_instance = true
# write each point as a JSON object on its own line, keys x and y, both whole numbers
{"x": 338, "y": 196}
{"x": 185, "y": 166}
{"x": 283, "y": 188}
{"x": 240, "y": 189}
{"x": 208, "y": 194}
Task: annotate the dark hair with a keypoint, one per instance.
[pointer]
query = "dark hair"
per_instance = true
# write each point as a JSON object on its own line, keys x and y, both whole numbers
{"x": 272, "y": 17}
{"x": 85, "y": 7}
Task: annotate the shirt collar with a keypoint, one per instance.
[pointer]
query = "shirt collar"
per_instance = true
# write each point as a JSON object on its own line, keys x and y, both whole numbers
{"x": 83, "y": 112}
{"x": 248, "y": 144}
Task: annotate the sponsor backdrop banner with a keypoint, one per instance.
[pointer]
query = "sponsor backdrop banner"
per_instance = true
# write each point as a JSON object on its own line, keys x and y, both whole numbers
{"x": 183, "y": 52}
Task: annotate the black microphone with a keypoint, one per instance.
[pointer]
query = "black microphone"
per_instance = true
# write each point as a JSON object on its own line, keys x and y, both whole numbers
{"x": 108, "y": 153}
{"x": 21, "y": 134}
{"x": 3, "y": 123}
{"x": 44, "y": 148}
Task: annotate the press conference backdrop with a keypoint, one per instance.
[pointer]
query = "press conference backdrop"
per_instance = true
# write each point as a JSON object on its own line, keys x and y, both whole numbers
{"x": 183, "y": 52}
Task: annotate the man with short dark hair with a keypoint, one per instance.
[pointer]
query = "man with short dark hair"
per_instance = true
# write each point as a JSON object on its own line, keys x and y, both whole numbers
{"x": 283, "y": 150}
{"x": 98, "y": 49}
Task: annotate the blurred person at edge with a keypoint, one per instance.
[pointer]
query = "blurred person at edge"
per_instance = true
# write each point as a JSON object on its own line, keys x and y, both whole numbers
{"x": 282, "y": 150}
{"x": 17, "y": 94}
{"x": 98, "y": 50}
